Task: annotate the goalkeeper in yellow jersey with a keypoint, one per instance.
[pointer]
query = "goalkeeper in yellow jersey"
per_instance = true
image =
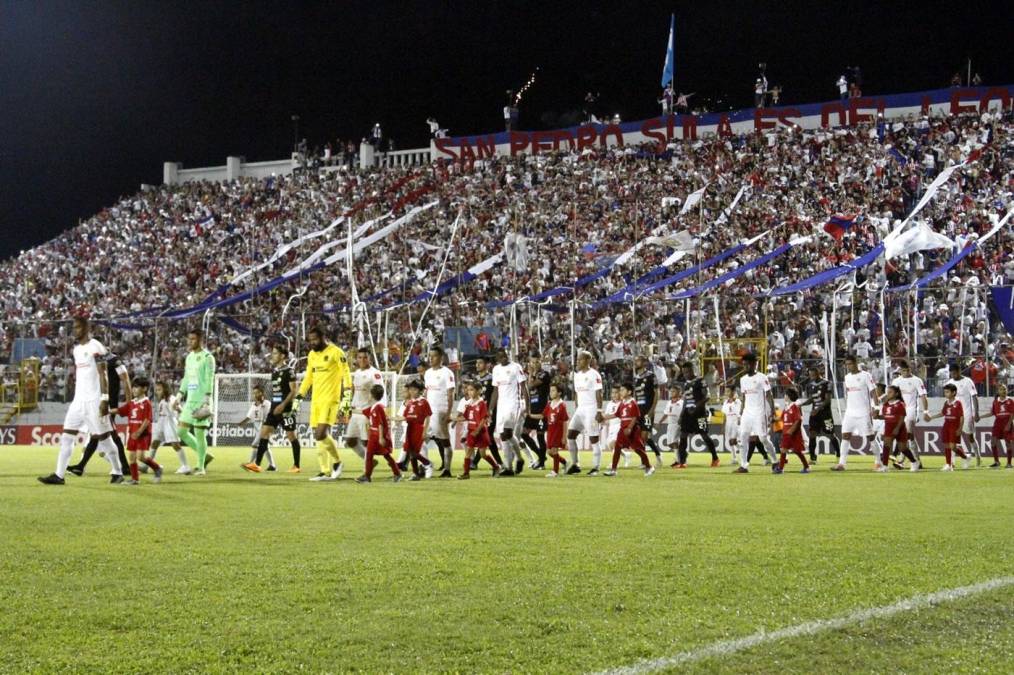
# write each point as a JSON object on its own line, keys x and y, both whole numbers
{"x": 327, "y": 373}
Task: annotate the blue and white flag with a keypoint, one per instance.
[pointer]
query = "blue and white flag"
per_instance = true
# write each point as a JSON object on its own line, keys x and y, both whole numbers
{"x": 667, "y": 69}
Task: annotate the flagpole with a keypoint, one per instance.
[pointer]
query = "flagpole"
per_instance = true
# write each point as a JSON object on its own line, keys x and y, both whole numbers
{"x": 883, "y": 336}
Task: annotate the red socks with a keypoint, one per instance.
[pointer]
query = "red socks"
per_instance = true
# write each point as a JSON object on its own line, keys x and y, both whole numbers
{"x": 885, "y": 456}
{"x": 134, "y": 472}
{"x": 152, "y": 464}
{"x": 640, "y": 453}
{"x": 489, "y": 458}
{"x": 467, "y": 469}
{"x": 996, "y": 452}
{"x": 802, "y": 458}
{"x": 369, "y": 464}
{"x": 393, "y": 464}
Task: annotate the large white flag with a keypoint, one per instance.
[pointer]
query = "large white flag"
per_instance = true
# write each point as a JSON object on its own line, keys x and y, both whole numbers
{"x": 918, "y": 238}
{"x": 693, "y": 199}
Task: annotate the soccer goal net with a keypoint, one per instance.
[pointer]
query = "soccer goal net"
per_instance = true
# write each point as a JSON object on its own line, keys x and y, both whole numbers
{"x": 233, "y": 394}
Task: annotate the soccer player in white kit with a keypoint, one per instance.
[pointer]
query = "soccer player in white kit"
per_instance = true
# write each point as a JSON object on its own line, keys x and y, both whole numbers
{"x": 363, "y": 379}
{"x": 588, "y": 413}
{"x": 510, "y": 400}
{"x": 165, "y": 432}
{"x": 969, "y": 398}
{"x": 913, "y": 393}
{"x": 732, "y": 410}
{"x": 758, "y": 411}
{"x": 671, "y": 416}
{"x": 439, "y": 381}
{"x": 90, "y": 408}
{"x": 858, "y": 418}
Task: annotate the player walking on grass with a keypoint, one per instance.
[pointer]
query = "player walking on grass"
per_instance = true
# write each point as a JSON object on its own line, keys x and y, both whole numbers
{"x": 969, "y": 399}
{"x": 858, "y": 419}
{"x": 819, "y": 395}
{"x": 89, "y": 409}
{"x": 894, "y": 413}
{"x": 792, "y": 432}
{"x": 138, "y": 412}
{"x": 630, "y": 433}
{"x": 195, "y": 393}
{"x": 415, "y": 413}
{"x": 280, "y": 413}
{"x": 439, "y": 381}
{"x": 364, "y": 378}
{"x": 646, "y": 395}
{"x": 379, "y": 441}
{"x": 117, "y": 379}
{"x": 555, "y": 417}
{"x": 913, "y": 393}
{"x": 694, "y": 418}
{"x": 165, "y": 431}
{"x": 1003, "y": 426}
{"x": 758, "y": 408}
{"x": 732, "y": 410}
{"x": 950, "y": 435}
{"x": 510, "y": 400}
{"x": 327, "y": 374}
{"x": 475, "y": 414}
{"x": 671, "y": 415}
{"x": 587, "y": 413}
{"x": 259, "y": 410}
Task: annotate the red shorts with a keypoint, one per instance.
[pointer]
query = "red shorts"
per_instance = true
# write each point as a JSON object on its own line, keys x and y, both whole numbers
{"x": 138, "y": 445}
{"x": 902, "y": 436}
{"x": 477, "y": 440}
{"x": 631, "y": 442}
{"x": 555, "y": 439}
{"x": 373, "y": 446}
{"x": 413, "y": 442}
{"x": 950, "y": 435}
{"x": 794, "y": 444}
{"x": 999, "y": 433}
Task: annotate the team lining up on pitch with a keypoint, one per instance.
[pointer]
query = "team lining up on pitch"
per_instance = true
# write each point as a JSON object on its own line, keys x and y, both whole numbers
{"x": 500, "y": 406}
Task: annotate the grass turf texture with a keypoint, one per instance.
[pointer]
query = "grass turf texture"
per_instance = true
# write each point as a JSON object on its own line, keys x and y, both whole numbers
{"x": 272, "y": 573}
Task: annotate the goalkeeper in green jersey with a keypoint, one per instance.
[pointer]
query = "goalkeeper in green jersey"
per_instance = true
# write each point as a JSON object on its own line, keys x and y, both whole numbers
{"x": 196, "y": 392}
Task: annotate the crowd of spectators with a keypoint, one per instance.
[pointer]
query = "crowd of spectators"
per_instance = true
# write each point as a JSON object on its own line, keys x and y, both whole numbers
{"x": 565, "y": 215}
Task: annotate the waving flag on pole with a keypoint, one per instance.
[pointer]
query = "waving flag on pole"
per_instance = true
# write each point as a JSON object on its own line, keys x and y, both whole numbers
{"x": 837, "y": 226}
{"x": 670, "y": 60}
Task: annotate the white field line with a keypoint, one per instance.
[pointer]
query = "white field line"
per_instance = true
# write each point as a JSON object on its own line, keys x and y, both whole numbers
{"x": 727, "y": 647}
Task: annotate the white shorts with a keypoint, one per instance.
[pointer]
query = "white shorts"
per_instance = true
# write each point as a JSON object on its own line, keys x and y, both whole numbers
{"x": 753, "y": 425}
{"x": 508, "y": 419}
{"x": 612, "y": 433}
{"x": 732, "y": 429}
{"x": 857, "y": 425}
{"x": 357, "y": 427}
{"x": 878, "y": 427}
{"x": 584, "y": 422}
{"x": 436, "y": 430}
{"x": 968, "y": 425}
{"x": 84, "y": 416}
{"x": 165, "y": 432}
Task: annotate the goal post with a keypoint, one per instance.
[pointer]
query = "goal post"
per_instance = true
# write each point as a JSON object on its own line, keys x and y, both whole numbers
{"x": 232, "y": 395}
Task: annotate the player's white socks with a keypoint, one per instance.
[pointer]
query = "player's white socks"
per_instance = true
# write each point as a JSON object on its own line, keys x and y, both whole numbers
{"x": 107, "y": 446}
{"x": 770, "y": 447}
{"x": 448, "y": 455}
{"x": 878, "y": 451}
{"x": 182, "y": 454}
{"x": 572, "y": 448}
{"x": 510, "y": 451}
{"x": 596, "y": 449}
{"x": 66, "y": 450}
{"x": 525, "y": 450}
{"x": 744, "y": 453}
{"x": 253, "y": 454}
{"x": 843, "y": 451}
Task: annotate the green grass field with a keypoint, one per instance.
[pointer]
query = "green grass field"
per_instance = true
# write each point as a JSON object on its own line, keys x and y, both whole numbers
{"x": 272, "y": 573}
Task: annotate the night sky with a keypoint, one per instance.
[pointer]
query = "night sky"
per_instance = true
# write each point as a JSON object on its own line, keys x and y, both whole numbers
{"x": 95, "y": 96}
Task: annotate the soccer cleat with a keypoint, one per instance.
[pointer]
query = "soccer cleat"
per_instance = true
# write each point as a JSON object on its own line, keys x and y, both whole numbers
{"x": 158, "y": 475}
{"x": 838, "y": 467}
{"x": 201, "y": 472}
{"x": 51, "y": 479}
{"x": 675, "y": 465}
{"x": 363, "y": 479}
{"x": 915, "y": 467}
{"x": 428, "y": 471}
{"x": 994, "y": 465}
{"x": 648, "y": 470}
{"x": 947, "y": 467}
{"x": 1009, "y": 466}
{"x": 742, "y": 469}
{"x": 295, "y": 469}
{"x": 272, "y": 468}
{"x": 519, "y": 466}
{"x": 115, "y": 479}
{"x": 446, "y": 473}
{"x": 538, "y": 466}
{"x": 609, "y": 472}
{"x": 403, "y": 465}
{"x": 965, "y": 463}
{"x": 464, "y": 476}
{"x": 681, "y": 466}
{"x": 506, "y": 473}
{"x": 251, "y": 467}
{"x": 776, "y": 469}
{"x": 805, "y": 469}
{"x": 594, "y": 471}
{"x": 183, "y": 470}
{"x": 574, "y": 468}
{"x": 336, "y": 473}
{"x": 881, "y": 469}
{"x": 415, "y": 476}
{"x": 208, "y": 459}
{"x": 320, "y": 477}
{"x": 130, "y": 482}
{"x": 552, "y": 474}
{"x": 396, "y": 478}
{"x": 715, "y": 463}
{"x": 76, "y": 470}
{"x": 898, "y": 465}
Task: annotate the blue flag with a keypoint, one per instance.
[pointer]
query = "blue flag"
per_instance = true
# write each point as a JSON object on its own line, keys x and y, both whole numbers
{"x": 670, "y": 59}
